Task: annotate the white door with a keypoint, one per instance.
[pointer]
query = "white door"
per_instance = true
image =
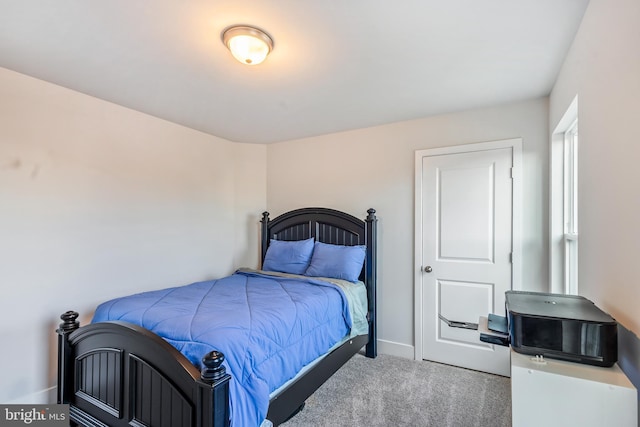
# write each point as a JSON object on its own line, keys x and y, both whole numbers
{"x": 466, "y": 253}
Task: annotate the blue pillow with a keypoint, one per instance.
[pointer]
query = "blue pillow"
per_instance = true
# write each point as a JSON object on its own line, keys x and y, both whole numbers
{"x": 288, "y": 256}
{"x": 337, "y": 261}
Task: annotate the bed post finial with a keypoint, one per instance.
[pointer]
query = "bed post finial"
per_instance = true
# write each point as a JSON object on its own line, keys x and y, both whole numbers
{"x": 212, "y": 369}
{"x": 372, "y": 214}
{"x": 70, "y": 323}
{"x": 264, "y": 236}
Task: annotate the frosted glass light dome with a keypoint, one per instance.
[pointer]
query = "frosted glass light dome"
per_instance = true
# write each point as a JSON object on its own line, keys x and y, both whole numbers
{"x": 248, "y": 45}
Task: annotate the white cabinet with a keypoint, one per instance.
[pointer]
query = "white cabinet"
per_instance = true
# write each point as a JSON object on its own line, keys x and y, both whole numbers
{"x": 556, "y": 393}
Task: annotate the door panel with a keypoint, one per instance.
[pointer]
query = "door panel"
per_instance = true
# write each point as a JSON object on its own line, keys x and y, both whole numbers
{"x": 466, "y": 223}
{"x": 467, "y": 242}
{"x": 480, "y": 297}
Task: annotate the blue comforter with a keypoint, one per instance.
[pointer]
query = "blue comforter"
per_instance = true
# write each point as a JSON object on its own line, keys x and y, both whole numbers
{"x": 267, "y": 327}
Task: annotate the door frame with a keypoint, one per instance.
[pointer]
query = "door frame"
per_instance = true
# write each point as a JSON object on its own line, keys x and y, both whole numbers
{"x": 516, "y": 232}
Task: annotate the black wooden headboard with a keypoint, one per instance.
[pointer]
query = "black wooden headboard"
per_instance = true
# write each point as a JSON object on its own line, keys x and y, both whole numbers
{"x": 333, "y": 227}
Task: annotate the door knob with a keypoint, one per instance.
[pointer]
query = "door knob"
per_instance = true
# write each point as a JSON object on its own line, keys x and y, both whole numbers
{"x": 428, "y": 269}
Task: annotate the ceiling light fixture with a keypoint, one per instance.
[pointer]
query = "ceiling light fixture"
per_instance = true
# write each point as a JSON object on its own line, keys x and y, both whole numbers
{"x": 248, "y": 45}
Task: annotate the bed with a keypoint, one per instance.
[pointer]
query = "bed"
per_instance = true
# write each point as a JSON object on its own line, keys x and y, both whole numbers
{"x": 117, "y": 373}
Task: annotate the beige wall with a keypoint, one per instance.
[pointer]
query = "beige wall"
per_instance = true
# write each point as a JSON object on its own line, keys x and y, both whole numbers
{"x": 97, "y": 201}
{"x": 603, "y": 69}
{"x": 374, "y": 167}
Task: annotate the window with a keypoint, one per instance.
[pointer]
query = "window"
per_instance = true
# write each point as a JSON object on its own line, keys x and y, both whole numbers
{"x": 563, "y": 204}
{"x": 570, "y": 209}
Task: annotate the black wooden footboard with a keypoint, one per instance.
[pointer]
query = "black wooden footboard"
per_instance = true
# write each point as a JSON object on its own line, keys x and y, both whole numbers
{"x": 117, "y": 374}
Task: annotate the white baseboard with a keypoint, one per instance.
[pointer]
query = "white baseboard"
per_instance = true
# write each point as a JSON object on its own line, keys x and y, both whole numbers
{"x": 396, "y": 349}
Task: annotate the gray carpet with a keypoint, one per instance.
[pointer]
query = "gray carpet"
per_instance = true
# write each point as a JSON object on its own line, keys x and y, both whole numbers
{"x": 391, "y": 391}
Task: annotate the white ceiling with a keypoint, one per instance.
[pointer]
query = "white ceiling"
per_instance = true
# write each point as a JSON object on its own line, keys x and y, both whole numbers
{"x": 337, "y": 64}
